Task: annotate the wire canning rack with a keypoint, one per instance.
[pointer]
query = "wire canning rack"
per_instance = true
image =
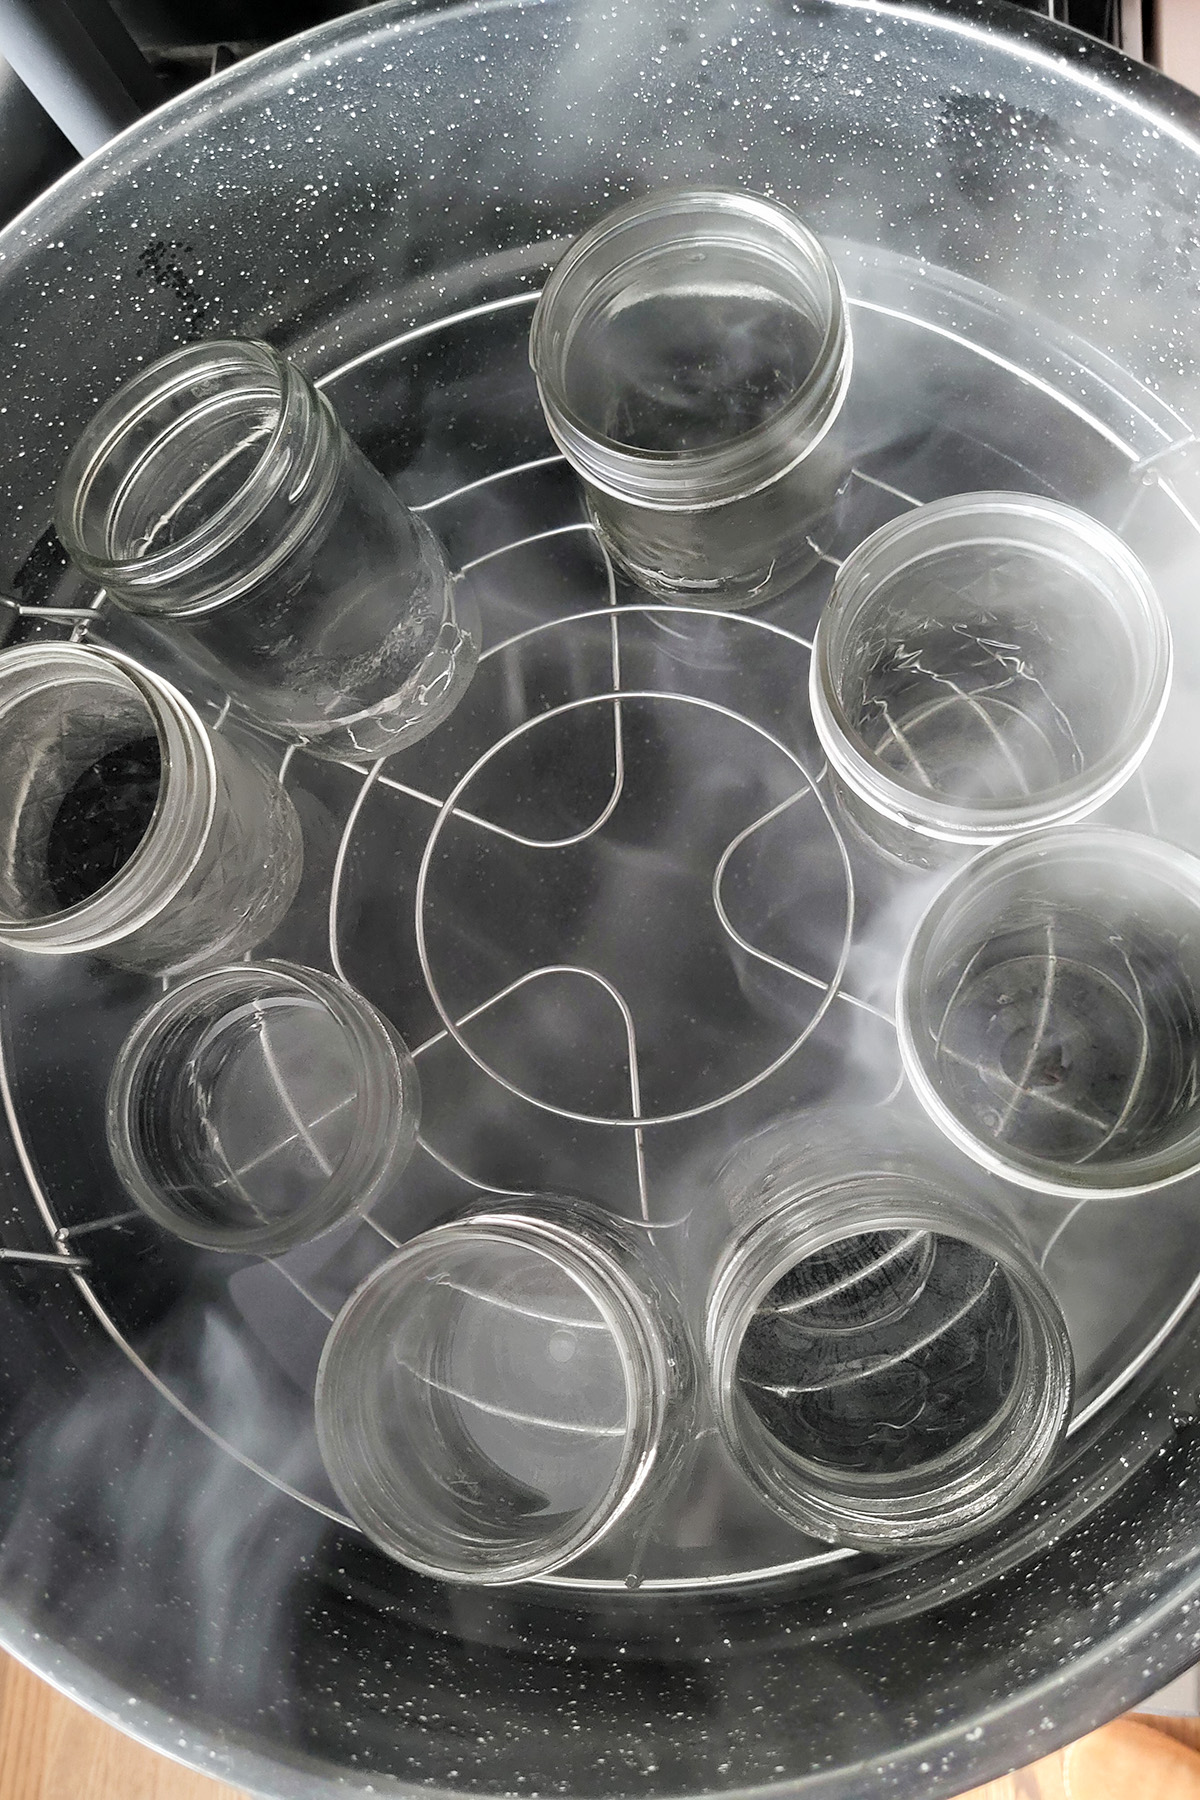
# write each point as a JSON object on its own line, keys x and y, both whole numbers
{"x": 609, "y": 903}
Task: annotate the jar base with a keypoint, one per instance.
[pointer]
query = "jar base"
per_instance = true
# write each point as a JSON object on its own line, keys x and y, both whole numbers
{"x": 722, "y": 594}
{"x": 427, "y": 698}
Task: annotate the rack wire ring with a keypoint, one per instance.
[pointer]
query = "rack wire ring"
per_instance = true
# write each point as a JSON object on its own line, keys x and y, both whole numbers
{"x": 636, "y": 1119}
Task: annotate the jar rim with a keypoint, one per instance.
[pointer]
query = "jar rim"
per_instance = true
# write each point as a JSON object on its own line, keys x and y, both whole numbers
{"x": 141, "y": 580}
{"x": 735, "y": 467}
{"x": 984, "y": 821}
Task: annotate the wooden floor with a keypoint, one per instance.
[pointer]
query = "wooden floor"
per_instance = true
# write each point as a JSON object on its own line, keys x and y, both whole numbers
{"x": 53, "y": 1750}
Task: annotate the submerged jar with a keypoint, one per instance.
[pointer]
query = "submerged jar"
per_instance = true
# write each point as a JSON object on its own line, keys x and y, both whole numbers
{"x": 499, "y": 1395}
{"x": 888, "y": 1366}
{"x": 217, "y": 495}
{"x": 987, "y": 664}
{"x": 692, "y": 353}
{"x": 128, "y": 828}
{"x": 255, "y": 1107}
{"x": 1049, "y": 1012}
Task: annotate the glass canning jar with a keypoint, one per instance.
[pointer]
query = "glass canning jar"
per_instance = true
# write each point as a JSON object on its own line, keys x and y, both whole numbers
{"x": 692, "y": 353}
{"x": 254, "y": 1107}
{"x": 216, "y": 495}
{"x": 1049, "y": 1012}
{"x": 127, "y": 827}
{"x": 888, "y": 1366}
{"x": 504, "y": 1390}
{"x": 987, "y": 664}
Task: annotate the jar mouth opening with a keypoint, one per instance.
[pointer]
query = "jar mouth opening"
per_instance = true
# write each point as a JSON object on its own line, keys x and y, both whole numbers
{"x": 373, "y": 1482}
{"x": 113, "y": 467}
{"x": 781, "y": 255}
{"x": 916, "y": 546}
{"x": 128, "y": 704}
{"x": 1094, "y": 867}
{"x": 195, "y": 1021}
{"x": 798, "y": 398}
{"x": 941, "y": 1497}
{"x": 128, "y": 869}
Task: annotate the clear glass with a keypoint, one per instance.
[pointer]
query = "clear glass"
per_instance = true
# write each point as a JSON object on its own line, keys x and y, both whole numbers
{"x": 255, "y": 1107}
{"x": 1049, "y": 1012}
{"x": 217, "y": 494}
{"x": 692, "y": 354}
{"x": 504, "y": 1390}
{"x": 127, "y": 827}
{"x": 987, "y": 664}
{"x": 888, "y": 1366}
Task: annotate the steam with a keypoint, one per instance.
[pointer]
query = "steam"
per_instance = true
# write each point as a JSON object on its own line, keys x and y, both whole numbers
{"x": 113, "y": 1468}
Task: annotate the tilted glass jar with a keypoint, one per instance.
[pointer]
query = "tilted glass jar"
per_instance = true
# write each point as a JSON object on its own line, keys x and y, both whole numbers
{"x": 127, "y": 827}
{"x": 217, "y": 495}
{"x": 692, "y": 353}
